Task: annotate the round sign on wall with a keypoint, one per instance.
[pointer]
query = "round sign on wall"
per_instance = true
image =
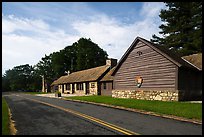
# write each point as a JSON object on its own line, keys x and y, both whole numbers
{"x": 139, "y": 81}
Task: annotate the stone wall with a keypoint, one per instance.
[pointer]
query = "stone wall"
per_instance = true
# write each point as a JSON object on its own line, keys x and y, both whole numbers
{"x": 147, "y": 95}
{"x": 79, "y": 92}
{"x": 93, "y": 88}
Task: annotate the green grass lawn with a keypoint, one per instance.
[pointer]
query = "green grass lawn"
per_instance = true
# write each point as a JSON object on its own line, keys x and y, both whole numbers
{"x": 5, "y": 118}
{"x": 181, "y": 109}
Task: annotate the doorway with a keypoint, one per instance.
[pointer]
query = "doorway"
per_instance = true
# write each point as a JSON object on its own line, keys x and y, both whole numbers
{"x": 87, "y": 88}
{"x": 73, "y": 89}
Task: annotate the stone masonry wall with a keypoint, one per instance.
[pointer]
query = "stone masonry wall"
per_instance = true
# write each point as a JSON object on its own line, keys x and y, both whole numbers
{"x": 93, "y": 90}
{"x": 147, "y": 95}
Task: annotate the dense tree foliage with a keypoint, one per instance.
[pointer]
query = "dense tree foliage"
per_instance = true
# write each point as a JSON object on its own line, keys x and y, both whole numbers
{"x": 88, "y": 54}
{"x": 20, "y": 78}
{"x": 182, "y": 27}
{"x": 83, "y": 54}
{"x": 5, "y": 83}
{"x": 64, "y": 61}
{"x": 44, "y": 69}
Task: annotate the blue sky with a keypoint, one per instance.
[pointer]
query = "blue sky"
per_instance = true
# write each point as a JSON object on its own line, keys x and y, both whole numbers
{"x": 32, "y": 29}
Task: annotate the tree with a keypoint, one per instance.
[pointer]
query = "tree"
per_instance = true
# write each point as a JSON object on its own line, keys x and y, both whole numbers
{"x": 58, "y": 63}
{"x": 36, "y": 83}
{"x": 63, "y": 61}
{"x": 83, "y": 54}
{"x": 182, "y": 27}
{"x": 88, "y": 54}
{"x": 44, "y": 69}
{"x": 18, "y": 78}
{"x": 70, "y": 58}
{"x": 5, "y": 84}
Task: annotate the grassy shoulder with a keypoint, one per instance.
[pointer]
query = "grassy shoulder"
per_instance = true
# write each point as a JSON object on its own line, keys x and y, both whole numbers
{"x": 5, "y": 118}
{"x": 181, "y": 109}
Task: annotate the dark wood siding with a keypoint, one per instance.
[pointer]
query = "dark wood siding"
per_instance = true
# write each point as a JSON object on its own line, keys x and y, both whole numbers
{"x": 157, "y": 71}
{"x": 108, "y": 90}
{"x": 191, "y": 82}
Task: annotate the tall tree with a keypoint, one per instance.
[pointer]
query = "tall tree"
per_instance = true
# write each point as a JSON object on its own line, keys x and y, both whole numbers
{"x": 89, "y": 54}
{"x": 5, "y": 84}
{"x": 70, "y": 58}
{"x": 83, "y": 54}
{"x": 19, "y": 78}
{"x": 36, "y": 83}
{"x": 182, "y": 27}
{"x": 63, "y": 61}
{"x": 44, "y": 69}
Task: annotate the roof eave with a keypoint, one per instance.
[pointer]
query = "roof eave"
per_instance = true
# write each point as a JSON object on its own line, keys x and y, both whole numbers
{"x": 192, "y": 64}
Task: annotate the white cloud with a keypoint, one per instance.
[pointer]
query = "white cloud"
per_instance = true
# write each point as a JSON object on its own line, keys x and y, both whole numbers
{"x": 19, "y": 49}
{"x": 38, "y": 37}
{"x": 152, "y": 9}
{"x": 113, "y": 36}
{"x": 12, "y": 23}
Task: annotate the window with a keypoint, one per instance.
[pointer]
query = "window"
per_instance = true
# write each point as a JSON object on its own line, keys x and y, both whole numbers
{"x": 80, "y": 86}
{"x": 67, "y": 87}
{"x": 92, "y": 85}
{"x": 104, "y": 85}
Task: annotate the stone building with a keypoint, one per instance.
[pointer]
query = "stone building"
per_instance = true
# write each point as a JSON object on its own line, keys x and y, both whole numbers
{"x": 85, "y": 81}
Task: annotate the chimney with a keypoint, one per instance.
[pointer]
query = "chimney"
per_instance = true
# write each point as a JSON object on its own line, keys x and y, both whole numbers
{"x": 111, "y": 62}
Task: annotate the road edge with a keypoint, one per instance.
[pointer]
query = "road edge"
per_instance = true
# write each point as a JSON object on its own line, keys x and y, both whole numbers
{"x": 140, "y": 111}
{"x": 11, "y": 124}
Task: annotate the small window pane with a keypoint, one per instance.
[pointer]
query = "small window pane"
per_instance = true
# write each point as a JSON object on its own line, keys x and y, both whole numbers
{"x": 92, "y": 85}
{"x": 104, "y": 85}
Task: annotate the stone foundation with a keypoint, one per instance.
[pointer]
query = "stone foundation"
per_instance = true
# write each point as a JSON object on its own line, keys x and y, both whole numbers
{"x": 147, "y": 95}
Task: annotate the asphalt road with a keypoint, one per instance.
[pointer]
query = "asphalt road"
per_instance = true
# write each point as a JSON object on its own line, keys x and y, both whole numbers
{"x": 35, "y": 118}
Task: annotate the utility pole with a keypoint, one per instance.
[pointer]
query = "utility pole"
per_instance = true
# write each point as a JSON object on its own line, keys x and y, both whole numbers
{"x": 71, "y": 65}
{"x": 44, "y": 86}
{"x": 43, "y": 83}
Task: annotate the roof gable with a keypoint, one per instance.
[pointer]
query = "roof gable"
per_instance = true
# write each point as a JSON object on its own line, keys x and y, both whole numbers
{"x": 174, "y": 58}
{"x": 108, "y": 76}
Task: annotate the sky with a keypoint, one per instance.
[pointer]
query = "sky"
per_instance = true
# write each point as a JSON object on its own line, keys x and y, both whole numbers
{"x": 31, "y": 30}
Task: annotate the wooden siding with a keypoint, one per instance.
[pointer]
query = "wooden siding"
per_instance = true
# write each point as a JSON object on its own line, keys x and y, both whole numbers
{"x": 157, "y": 71}
{"x": 190, "y": 81}
{"x": 108, "y": 90}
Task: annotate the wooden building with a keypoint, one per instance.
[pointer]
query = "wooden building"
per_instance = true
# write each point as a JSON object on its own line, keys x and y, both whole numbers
{"x": 85, "y": 81}
{"x": 106, "y": 83}
{"x": 151, "y": 72}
